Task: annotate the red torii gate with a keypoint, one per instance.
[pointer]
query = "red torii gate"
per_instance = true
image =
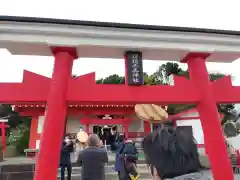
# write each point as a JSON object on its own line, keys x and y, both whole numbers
{"x": 3, "y": 128}
{"x": 22, "y": 35}
{"x": 198, "y": 90}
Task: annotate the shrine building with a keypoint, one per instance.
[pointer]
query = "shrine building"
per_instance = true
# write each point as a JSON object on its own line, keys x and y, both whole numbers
{"x": 123, "y": 120}
{"x": 92, "y": 118}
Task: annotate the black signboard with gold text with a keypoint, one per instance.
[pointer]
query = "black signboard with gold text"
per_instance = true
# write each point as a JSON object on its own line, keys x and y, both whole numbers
{"x": 135, "y": 68}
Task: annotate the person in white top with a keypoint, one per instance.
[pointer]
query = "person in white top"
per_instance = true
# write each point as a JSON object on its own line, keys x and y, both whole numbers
{"x": 81, "y": 141}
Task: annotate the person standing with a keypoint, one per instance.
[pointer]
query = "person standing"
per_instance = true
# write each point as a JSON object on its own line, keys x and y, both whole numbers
{"x": 65, "y": 158}
{"x": 119, "y": 151}
{"x": 81, "y": 142}
{"x": 129, "y": 157}
{"x": 113, "y": 139}
{"x": 93, "y": 160}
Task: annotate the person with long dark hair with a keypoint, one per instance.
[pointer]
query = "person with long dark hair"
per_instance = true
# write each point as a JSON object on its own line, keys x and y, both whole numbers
{"x": 171, "y": 153}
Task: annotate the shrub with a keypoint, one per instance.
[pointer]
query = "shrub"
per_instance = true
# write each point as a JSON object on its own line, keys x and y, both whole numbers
{"x": 22, "y": 143}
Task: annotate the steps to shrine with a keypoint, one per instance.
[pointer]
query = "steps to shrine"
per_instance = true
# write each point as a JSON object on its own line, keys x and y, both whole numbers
{"x": 25, "y": 171}
{"x": 110, "y": 173}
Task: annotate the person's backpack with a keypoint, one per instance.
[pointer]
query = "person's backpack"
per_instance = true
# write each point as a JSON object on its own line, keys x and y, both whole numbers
{"x": 122, "y": 148}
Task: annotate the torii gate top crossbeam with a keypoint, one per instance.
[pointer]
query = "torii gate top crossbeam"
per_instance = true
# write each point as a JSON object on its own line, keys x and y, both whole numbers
{"x": 26, "y": 36}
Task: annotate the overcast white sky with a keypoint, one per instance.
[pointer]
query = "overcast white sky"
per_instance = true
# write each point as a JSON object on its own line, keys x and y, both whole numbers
{"x": 191, "y": 13}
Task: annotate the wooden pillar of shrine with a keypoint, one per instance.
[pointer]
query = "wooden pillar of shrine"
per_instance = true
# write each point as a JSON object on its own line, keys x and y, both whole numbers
{"x": 56, "y": 110}
{"x": 213, "y": 135}
{"x": 34, "y": 136}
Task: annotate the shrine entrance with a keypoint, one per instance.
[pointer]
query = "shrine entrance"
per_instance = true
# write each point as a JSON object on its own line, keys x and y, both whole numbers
{"x": 97, "y": 130}
{"x": 100, "y": 125}
{"x": 105, "y": 133}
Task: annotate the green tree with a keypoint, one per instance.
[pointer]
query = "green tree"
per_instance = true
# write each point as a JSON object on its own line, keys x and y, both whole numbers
{"x": 112, "y": 79}
{"x": 23, "y": 141}
{"x": 116, "y": 79}
{"x": 165, "y": 70}
{"x": 152, "y": 80}
{"x": 14, "y": 119}
{"x": 161, "y": 76}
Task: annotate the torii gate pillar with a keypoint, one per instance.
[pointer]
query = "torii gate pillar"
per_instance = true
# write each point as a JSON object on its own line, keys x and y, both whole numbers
{"x": 53, "y": 129}
{"x": 3, "y": 127}
{"x": 213, "y": 136}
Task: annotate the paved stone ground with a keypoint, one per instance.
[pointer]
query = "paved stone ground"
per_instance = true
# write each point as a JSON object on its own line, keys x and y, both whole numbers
{"x": 109, "y": 169}
{"x": 206, "y": 174}
{"x": 25, "y": 160}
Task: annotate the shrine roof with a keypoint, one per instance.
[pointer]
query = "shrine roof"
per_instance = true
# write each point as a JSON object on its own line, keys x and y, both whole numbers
{"x": 111, "y": 40}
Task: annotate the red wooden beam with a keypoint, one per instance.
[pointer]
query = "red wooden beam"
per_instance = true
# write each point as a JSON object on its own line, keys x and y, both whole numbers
{"x": 84, "y": 90}
{"x": 34, "y": 88}
{"x": 90, "y": 92}
{"x": 101, "y": 111}
{"x": 29, "y": 111}
{"x": 224, "y": 92}
{"x": 115, "y": 94}
{"x": 104, "y": 121}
